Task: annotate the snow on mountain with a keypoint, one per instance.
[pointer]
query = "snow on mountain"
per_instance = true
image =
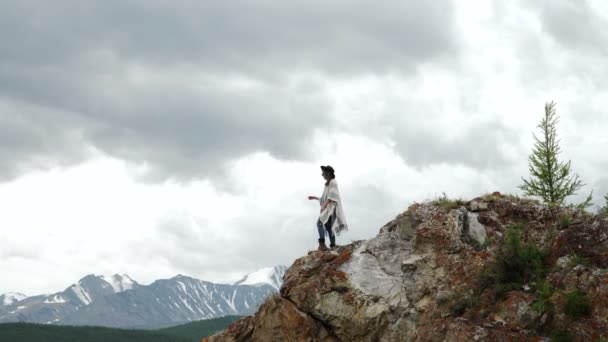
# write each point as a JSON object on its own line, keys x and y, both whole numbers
{"x": 272, "y": 276}
{"x": 55, "y": 299}
{"x": 119, "y": 282}
{"x": 12, "y": 297}
{"x": 119, "y": 301}
{"x": 92, "y": 286}
{"x": 81, "y": 293}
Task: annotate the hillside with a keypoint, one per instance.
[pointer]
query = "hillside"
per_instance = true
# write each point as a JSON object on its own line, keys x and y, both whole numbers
{"x": 496, "y": 268}
{"x": 190, "y": 332}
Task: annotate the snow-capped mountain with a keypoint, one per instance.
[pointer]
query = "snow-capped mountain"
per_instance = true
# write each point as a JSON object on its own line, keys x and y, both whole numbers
{"x": 119, "y": 301}
{"x": 172, "y": 301}
{"x": 119, "y": 283}
{"x": 268, "y": 275}
{"x": 11, "y": 297}
{"x": 93, "y": 286}
{"x": 57, "y": 306}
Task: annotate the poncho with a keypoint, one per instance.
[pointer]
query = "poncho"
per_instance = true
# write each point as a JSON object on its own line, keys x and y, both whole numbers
{"x": 334, "y": 206}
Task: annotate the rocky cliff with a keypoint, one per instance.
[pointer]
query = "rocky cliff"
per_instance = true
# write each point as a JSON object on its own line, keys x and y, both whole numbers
{"x": 496, "y": 268}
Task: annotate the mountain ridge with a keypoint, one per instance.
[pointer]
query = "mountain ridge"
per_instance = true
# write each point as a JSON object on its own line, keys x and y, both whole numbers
{"x": 120, "y": 301}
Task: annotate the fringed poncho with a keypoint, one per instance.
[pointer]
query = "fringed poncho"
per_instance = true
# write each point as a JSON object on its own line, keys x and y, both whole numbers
{"x": 331, "y": 194}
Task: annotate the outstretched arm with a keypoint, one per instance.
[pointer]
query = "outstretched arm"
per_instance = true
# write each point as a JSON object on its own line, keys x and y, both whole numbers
{"x": 313, "y": 198}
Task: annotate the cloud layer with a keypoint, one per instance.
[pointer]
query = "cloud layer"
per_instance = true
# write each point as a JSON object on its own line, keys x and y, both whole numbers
{"x": 154, "y": 138}
{"x": 185, "y": 87}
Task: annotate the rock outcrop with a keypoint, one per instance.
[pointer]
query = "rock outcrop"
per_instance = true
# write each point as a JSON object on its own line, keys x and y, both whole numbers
{"x": 424, "y": 277}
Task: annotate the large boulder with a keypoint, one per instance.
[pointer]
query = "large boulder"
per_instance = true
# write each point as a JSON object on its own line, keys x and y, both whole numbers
{"x": 419, "y": 279}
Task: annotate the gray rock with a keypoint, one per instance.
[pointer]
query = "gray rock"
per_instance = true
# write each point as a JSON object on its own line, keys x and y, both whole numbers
{"x": 474, "y": 229}
{"x": 478, "y": 206}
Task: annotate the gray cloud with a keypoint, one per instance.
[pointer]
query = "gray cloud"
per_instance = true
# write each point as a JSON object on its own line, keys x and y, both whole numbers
{"x": 236, "y": 35}
{"x": 71, "y": 76}
{"x": 32, "y": 137}
{"x": 456, "y": 131}
{"x": 189, "y": 133}
{"x": 474, "y": 143}
{"x": 575, "y": 25}
{"x": 572, "y": 44}
{"x": 181, "y": 135}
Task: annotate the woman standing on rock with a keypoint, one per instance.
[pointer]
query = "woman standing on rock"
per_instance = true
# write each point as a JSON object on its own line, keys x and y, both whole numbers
{"x": 331, "y": 220}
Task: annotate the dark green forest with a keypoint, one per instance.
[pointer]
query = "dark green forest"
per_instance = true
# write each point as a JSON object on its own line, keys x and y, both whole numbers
{"x": 197, "y": 330}
{"x": 32, "y": 332}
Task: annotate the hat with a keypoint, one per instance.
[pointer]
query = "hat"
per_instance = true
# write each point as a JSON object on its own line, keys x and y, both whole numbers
{"x": 328, "y": 169}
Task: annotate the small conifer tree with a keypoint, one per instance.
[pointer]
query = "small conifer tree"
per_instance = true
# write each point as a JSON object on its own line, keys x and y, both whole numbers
{"x": 550, "y": 179}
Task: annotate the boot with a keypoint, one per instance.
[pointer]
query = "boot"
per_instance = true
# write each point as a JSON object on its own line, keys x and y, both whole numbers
{"x": 322, "y": 246}
{"x": 332, "y": 240}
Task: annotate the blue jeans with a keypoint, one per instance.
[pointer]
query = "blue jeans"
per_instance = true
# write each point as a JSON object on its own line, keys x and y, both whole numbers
{"x": 327, "y": 229}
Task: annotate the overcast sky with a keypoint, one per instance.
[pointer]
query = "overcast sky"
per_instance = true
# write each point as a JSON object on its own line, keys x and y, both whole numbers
{"x": 155, "y": 138}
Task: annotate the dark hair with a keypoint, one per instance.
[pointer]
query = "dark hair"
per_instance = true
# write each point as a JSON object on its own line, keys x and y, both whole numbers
{"x": 331, "y": 176}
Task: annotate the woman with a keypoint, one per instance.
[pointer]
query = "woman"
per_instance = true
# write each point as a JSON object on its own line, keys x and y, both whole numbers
{"x": 331, "y": 220}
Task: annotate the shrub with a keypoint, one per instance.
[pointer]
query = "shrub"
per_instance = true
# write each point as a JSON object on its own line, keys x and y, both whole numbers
{"x": 519, "y": 263}
{"x": 544, "y": 292}
{"x": 565, "y": 221}
{"x": 577, "y": 304}
{"x": 515, "y": 264}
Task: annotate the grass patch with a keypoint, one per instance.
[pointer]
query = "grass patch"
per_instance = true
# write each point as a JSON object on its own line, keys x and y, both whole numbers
{"x": 565, "y": 221}
{"x": 561, "y": 336}
{"x": 489, "y": 241}
{"x": 513, "y": 198}
{"x": 576, "y": 260}
{"x": 448, "y": 203}
{"x": 577, "y": 304}
{"x": 491, "y": 197}
{"x": 463, "y": 302}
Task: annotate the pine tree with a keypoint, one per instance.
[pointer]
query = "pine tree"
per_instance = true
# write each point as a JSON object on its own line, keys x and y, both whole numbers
{"x": 550, "y": 179}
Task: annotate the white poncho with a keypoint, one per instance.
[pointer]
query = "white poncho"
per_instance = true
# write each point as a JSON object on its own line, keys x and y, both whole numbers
{"x": 331, "y": 193}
